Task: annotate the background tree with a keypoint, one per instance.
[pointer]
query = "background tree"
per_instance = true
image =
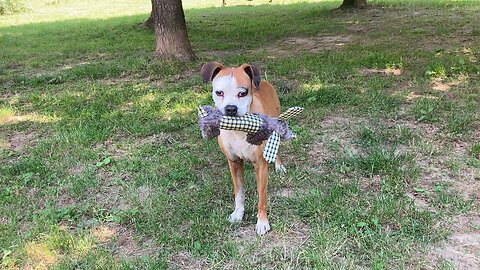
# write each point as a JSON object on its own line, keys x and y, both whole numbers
{"x": 171, "y": 30}
{"x": 353, "y": 4}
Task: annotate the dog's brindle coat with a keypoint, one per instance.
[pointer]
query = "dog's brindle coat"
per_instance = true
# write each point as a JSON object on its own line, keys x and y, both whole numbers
{"x": 237, "y": 91}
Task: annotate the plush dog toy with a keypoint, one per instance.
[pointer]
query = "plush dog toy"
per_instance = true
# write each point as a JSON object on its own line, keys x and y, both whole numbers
{"x": 258, "y": 127}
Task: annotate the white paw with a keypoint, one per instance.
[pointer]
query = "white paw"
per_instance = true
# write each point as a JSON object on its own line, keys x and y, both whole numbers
{"x": 236, "y": 216}
{"x": 262, "y": 227}
{"x": 279, "y": 168}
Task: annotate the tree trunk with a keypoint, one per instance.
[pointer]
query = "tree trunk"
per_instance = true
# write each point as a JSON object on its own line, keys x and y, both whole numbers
{"x": 353, "y": 4}
{"x": 171, "y": 30}
{"x": 150, "y": 23}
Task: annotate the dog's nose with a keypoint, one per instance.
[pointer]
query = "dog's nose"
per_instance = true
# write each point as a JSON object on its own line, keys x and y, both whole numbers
{"x": 231, "y": 110}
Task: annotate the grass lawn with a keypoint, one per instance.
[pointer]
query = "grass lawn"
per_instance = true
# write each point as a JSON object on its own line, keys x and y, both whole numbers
{"x": 103, "y": 165}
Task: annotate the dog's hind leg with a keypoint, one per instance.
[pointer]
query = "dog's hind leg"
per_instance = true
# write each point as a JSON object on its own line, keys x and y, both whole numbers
{"x": 279, "y": 168}
{"x": 236, "y": 170}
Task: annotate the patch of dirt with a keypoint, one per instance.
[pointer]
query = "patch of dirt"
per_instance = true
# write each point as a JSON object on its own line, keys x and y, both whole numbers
{"x": 462, "y": 248}
{"x": 112, "y": 149}
{"x": 119, "y": 147}
{"x": 220, "y": 54}
{"x": 380, "y": 71}
{"x": 4, "y": 220}
{"x": 311, "y": 44}
{"x": 440, "y": 86}
{"x": 436, "y": 169}
{"x": 103, "y": 233}
{"x": 295, "y": 236}
{"x": 70, "y": 66}
{"x": 22, "y": 139}
{"x": 77, "y": 170}
{"x": 443, "y": 85}
{"x": 126, "y": 246}
{"x": 284, "y": 193}
{"x": 185, "y": 260}
{"x": 109, "y": 194}
{"x": 284, "y": 86}
{"x": 123, "y": 240}
{"x": 427, "y": 36}
{"x": 338, "y": 129}
{"x": 143, "y": 193}
{"x": 420, "y": 203}
{"x": 4, "y": 144}
{"x": 370, "y": 184}
{"x": 435, "y": 160}
{"x": 160, "y": 138}
{"x": 65, "y": 200}
{"x": 412, "y": 96}
{"x": 288, "y": 240}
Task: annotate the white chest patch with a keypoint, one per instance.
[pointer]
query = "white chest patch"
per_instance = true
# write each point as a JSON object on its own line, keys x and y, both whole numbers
{"x": 236, "y": 146}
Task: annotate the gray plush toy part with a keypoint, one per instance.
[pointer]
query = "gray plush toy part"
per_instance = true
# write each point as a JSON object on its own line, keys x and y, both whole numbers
{"x": 268, "y": 127}
{"x": 209, "y": 122}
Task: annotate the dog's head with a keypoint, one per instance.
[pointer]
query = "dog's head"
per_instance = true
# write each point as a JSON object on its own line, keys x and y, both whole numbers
{"x": 232, "y": 87}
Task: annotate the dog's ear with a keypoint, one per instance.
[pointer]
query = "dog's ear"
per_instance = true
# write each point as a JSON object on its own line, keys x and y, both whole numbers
{"x": 253, "y": 72}
{"x": 210, "y": 70}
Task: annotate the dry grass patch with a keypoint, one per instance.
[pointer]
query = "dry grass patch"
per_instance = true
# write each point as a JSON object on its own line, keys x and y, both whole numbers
{"x": 380, "y": 71}
{"x": 185, "y": 260}
{"x": 20, "y": 140}
{"x": 123, "y": 240}
{"x": 286, "y": 243}
{"x": 109, "y": 195}
{"x": 40, "y": 256}
{"x": 335, "y": 135}
{"x": 462, "y": 248}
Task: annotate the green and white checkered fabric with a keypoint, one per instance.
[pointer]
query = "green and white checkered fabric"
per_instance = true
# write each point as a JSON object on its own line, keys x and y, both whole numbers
{"x": 201, "y": 112}
{"x": 271, "y": 148}
{"x": 290, "y": 112}
{"x": 249, "y": 123}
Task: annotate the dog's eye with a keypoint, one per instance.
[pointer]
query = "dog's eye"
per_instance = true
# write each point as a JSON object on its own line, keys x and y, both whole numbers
{"x": 219, "y": 93}
{"x": 243, "y": 94}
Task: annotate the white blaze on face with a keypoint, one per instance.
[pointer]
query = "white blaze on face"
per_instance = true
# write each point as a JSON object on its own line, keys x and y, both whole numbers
{"x": 226, "y": 91}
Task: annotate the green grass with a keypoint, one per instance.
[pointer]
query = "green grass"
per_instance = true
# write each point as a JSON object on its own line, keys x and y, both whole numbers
{"x": 103, "y": 165}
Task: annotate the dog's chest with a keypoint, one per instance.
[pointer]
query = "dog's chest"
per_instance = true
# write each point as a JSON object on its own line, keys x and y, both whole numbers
{"x": 236, "y": 145}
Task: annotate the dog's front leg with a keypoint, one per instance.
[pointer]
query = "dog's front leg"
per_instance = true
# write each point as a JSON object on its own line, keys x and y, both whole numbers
{"x": 236, "y": 169}
{"x": 261, "y": 173}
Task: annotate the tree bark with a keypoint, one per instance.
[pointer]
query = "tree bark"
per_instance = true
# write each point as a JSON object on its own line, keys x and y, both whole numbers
{"x": 353, "y": 4}
{"x": 171, "y": 30}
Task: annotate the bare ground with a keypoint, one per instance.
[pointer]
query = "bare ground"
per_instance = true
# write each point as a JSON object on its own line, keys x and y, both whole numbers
{"x": 21, "y": 139}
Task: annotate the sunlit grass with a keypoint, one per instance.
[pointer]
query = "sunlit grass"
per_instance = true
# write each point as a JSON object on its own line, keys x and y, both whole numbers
{"x": 7, "y": 116}
{"x": 41, "y": 255}
{"x": 59, "y": 10}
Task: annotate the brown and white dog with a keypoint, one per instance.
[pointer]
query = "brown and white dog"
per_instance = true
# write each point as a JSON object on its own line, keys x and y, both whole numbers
{"x": 237, "y": 91}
